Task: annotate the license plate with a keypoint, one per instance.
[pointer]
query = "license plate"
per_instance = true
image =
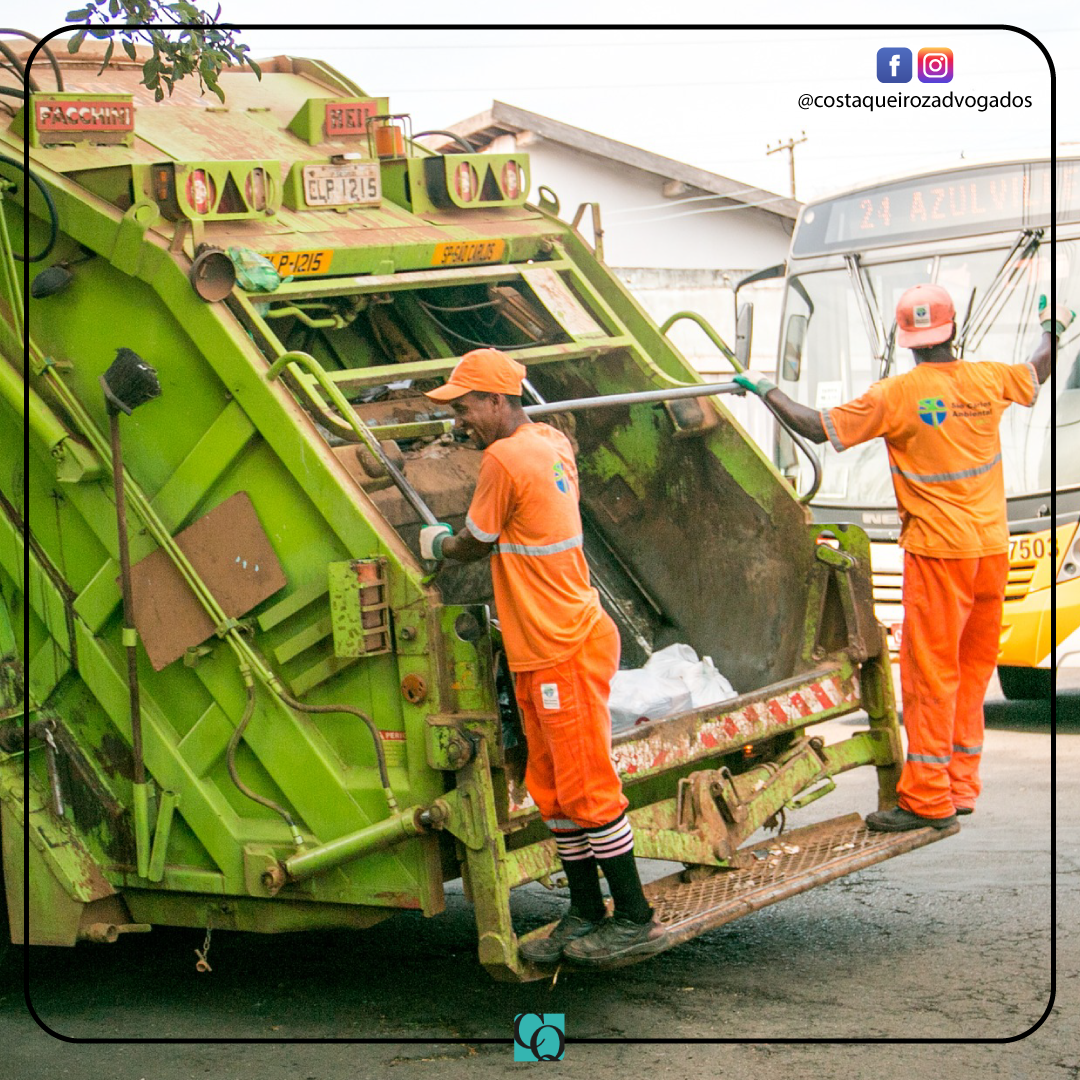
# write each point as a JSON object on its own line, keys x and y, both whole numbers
{"x": 292, "y": 263}
{"x": 342, "y": 185}
{"x": 468, "y": 251}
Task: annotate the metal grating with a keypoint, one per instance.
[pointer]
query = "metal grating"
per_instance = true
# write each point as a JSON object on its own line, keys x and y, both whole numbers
{"x": 784, "y": 866}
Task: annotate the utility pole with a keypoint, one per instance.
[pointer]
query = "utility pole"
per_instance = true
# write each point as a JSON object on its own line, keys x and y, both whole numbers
{"x": 789, "y": 146}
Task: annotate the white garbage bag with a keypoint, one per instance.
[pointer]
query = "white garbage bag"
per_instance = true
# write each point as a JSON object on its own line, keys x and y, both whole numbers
{"x": 673, "y": 681}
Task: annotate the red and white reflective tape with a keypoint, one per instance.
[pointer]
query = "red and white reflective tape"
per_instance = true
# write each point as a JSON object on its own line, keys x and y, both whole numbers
{"x": 653, "y": 751}
{"x": 742, "y": 725}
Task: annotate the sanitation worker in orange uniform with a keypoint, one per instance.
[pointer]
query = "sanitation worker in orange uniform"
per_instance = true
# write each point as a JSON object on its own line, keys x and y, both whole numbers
{"x": 562, "y": 647}
{"x": 940, "y": 424}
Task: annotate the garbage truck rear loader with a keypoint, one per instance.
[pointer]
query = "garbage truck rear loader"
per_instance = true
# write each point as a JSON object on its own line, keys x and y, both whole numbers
{"x": 232, "y": 694}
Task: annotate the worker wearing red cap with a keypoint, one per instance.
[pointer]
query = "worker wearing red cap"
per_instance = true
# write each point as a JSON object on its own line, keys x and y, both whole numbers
{"x": 562, "y": 647}
{"x": 940, "y": 424}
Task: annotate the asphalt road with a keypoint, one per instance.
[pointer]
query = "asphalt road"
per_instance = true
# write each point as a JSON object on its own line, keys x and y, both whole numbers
{"x": 952, "y": 942}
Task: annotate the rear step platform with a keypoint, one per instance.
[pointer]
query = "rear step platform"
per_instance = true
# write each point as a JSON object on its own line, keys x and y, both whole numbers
{"x": 786, "y": 865}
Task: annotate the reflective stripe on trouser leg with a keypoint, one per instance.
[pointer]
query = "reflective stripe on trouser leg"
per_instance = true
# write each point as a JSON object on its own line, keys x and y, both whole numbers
{"x": 567, "y": 725}
{"x": 938, "y": 597}
{"x": 979, "y": 646}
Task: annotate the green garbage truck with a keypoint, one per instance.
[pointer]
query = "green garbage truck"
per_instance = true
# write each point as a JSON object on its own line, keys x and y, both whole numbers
{"x": 232, "y": 695}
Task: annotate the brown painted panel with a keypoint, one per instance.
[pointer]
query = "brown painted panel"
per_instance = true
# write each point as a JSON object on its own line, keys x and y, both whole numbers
{"x": 230, "y": 552}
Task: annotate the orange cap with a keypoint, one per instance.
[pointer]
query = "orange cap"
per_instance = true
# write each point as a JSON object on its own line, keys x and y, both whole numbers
{"x": 482, "y": 369}
{"x": 924, "y": 316}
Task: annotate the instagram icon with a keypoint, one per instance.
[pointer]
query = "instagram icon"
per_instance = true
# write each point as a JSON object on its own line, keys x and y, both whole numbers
{"x": 935, "y": 65}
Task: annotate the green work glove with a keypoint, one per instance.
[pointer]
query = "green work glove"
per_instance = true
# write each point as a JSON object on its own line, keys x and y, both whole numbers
{"x": 756, "y": 384}
{"x": 1056, "y": 323}
{"x": 432, "y": 538}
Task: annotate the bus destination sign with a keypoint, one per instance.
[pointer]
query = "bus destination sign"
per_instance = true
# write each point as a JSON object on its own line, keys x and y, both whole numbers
{"x": 955, "y": 203}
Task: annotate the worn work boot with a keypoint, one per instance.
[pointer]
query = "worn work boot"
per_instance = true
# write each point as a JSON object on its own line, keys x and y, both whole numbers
{"x": 547, "y": 950}
{"x": 900, "y": 820}
{"x": 615, "y": 939}
{"x": 963, "y": 811}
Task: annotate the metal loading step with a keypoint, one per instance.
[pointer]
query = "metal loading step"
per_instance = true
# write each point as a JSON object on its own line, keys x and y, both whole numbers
{"x": 785, "y": 866}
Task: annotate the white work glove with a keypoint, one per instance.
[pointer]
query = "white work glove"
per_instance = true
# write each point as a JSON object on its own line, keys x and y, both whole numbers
{"x": 432, "y": 538}
{"x": 755, "y": 383}
{"x": 1056, "y": 322}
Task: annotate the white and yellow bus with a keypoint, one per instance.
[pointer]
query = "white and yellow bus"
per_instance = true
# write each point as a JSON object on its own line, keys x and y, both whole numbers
{"x": 995, "y": 235}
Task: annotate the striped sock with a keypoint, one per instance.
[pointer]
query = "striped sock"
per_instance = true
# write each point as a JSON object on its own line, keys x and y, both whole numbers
{"x": 613, "y": 846}
{"x": 586, "y": 898}
{"x": 614, "y": 838}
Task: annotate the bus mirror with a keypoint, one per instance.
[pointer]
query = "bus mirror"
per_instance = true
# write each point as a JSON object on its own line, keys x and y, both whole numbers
{"x": 744, "y": 333}
{"x": 793, "y": 347}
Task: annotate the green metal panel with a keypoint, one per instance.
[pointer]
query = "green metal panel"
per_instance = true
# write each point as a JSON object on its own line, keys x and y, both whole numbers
{"x": 363, "y": 713}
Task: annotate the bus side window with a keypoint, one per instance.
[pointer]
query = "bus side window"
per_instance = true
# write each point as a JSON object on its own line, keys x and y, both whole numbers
{"x": 793, "y": 347}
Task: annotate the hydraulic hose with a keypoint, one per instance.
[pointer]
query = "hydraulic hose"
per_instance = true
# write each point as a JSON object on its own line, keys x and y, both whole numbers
{"x": 19, "y": 66}
{"x": 54, "y": 217}
{"x": 459, "y": 139}
{"x": 45, "y": 49}
{"x": 230, "y": 759}
{"x": 351, "y": 710}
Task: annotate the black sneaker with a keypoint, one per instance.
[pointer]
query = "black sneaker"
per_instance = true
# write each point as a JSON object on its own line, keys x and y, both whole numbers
{"x": 901, "y": 820}
{"x": 546, "y": 950}
{"x": 614, "y": 939}
{"x": 963, "y": 811}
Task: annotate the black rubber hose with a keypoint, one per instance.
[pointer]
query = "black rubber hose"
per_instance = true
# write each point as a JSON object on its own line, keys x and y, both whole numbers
{"x": 351, "y": 710}
{"x": 20, "y": 67}
{"x": 459, "y": 139}
{"x": 230, "y": 760}
{"x": 12, "y": 91}
{"x": 54, "y": 217}
{"x": 45, "y": 49}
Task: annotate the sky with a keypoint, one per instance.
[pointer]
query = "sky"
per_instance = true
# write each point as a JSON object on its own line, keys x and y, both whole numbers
{"x": 716, "y": 98}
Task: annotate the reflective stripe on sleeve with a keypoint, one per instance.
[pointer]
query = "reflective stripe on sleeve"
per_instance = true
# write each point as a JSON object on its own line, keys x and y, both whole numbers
{"x": 543, "y": 549}
{"x": 830, "y": 430}
{"x": 1036, "y": 386}
{"x": 928, "y": 759}
{"x": 487, "y": 538}
{"x": 941, "y": 478}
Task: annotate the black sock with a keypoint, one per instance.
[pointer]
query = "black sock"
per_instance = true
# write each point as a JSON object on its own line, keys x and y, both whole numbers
{"x": 622, "y": 877}
{"x": 586, "y": 898}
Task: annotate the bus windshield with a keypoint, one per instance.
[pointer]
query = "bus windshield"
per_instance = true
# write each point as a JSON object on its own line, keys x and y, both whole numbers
{"x": 830, "y": 354}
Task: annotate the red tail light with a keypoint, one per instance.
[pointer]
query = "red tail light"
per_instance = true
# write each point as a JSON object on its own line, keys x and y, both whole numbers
{"x": 466, "y": 182}
{"x": 201, "y": 193}
{"x": 511, "y": 180}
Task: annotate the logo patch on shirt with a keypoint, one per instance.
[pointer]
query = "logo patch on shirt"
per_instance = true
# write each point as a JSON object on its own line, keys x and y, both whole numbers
{"x": 549, "y": 695}
{"x": 932, "y": 411}
{"x": 561, "y": 482}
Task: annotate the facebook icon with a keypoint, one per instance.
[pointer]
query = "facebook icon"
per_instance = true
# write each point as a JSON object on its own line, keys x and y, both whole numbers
{"x": 894, "y": 65}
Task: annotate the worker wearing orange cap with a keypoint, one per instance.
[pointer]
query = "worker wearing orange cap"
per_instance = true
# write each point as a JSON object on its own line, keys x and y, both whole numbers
{"x": 940, "y": 424}
{"x": 562, "y": 647}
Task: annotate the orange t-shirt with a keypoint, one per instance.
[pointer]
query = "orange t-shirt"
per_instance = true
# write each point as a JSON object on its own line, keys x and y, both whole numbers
{"x": 526, "y": 503}
{"x": 940, "y": 423}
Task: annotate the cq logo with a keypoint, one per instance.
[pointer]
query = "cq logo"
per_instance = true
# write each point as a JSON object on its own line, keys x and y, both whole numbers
{"x": 539, "y": 1036}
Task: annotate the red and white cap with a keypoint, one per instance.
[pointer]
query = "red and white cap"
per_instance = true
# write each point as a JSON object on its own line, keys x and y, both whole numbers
{"x": 925, "y": 316}
{"x": 482, "y": 369}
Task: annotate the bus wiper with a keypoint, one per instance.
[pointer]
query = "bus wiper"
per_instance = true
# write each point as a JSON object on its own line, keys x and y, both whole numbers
{"x": 999, "y": 291}
{"x": 867, "y": 308}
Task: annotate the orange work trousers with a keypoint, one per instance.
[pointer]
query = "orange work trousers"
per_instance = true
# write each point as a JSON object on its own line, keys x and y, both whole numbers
{"x": 949, "y": 647}
{"x": 564, "y": 713}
